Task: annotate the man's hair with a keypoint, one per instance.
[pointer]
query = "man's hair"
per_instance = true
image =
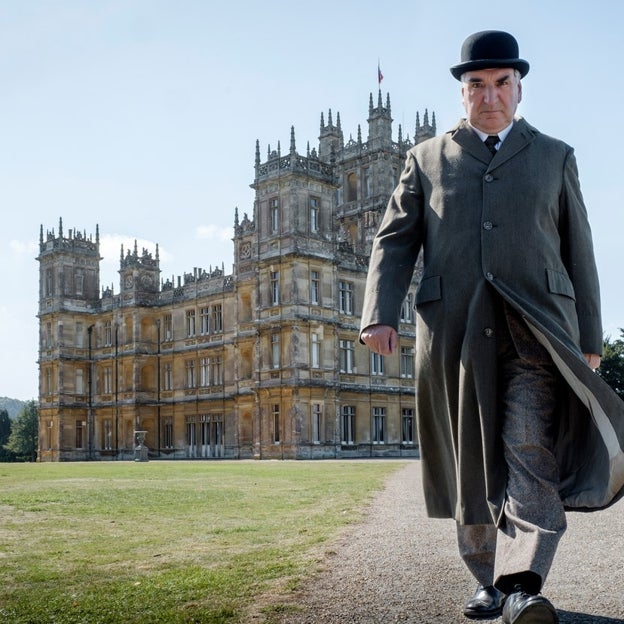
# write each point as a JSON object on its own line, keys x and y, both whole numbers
{"x": 515, "y": 71}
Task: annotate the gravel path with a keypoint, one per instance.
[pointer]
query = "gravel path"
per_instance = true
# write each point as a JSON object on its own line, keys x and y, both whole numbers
{"x": 400, "y": 566}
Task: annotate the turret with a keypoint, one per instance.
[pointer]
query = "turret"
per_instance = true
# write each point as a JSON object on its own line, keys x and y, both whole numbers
{"x": 379, "y": 123}
{"x": 69, "y": 269}
{"x": 331, "y": 138}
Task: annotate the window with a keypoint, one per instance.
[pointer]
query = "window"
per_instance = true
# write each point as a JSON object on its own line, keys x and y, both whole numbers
{"x": 204, "y": 320}
{"x": 189, "y": 368}
{"x": 217, "y": 318}
{"x": 351, "y": 187}
{"x": 314, "y": 215}
{"x": 408, "y": 426}
{"x": 217, "y": 370}
{"x": 108, "y": 333}
{"x": 275, "y": 411}
{"x": 79, "y": 336}
{"x": 79, "y": 381}
{"x": 317, "y": 422}
{"x": 168, "y": 432}
{"x": 407, "y": 309}
{"x": 368, "y": 186}
{"x": 348, "y": 424}
{"x": 168, "y": 376}
{"x": 345, "y": 294}
{"x": 211, "y": 434}
{"x": 46, "y": 339}
{"x": 48, "y": 381}
{"x": 79, "y": 282}
{"x": 275, "y": 215}
{"x": 275, "y": 287}
{"x": 407, "y": 362}
{"x": 377, "y": 364}
{"x": 80, "y": 434}
{"x": 49, "y": 431}
{"x": 107, "y": 380}
{"x": 379, "y": 425}
{"x": 49, "y": 283}
{"x": 315, "y": 287}
{"x": 275, "y": 350}
{"x": 346, "y": 354}
{"x": 168, "y": 328}
{"x": 191, "y": 436}
{"x": 190, "y": 323}
{"x": 107, "y": 435}
{"x": 204, "y": 372}
{"x": 315, "y": 350}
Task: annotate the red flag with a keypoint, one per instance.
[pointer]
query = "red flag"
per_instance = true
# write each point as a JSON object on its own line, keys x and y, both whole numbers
{"x": 379, "y": 74}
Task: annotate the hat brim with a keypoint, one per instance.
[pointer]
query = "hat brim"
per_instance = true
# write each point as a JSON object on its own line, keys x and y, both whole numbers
{"x": 521, "y": 65}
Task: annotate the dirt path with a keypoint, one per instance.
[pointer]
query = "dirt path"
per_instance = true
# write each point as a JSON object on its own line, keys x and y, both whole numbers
{"x": 400, "y": 566}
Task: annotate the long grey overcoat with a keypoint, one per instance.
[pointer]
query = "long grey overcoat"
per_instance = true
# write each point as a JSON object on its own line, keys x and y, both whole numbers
{"x": 512, "y": 226}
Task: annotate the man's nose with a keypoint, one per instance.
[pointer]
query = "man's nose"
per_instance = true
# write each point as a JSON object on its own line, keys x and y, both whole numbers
{"x": 490, "y": 94}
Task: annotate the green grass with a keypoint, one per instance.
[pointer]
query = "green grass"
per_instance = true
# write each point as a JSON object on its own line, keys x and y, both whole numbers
{"x": 188, "y": 542}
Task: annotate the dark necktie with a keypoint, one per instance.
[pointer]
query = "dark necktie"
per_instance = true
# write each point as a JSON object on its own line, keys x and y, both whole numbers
{"x": 490, "y": 142}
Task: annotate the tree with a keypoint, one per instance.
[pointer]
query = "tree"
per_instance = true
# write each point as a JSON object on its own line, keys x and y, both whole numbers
{"x": 5, "y": 432}
{"x": 612, "y": 365}
{"x": 25, "y": 433}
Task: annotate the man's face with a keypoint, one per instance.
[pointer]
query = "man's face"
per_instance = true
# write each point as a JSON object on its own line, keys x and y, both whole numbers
{"x": 491, "y": 97}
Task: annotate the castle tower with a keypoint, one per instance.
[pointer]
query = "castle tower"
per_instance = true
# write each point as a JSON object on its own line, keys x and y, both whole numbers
{"x": 69, "y": 270}
{"x": 69, "y": 278}
{"x": 379, "y": 124}
{"x": 139, "y": 275}
{"x": 331, "y": 138}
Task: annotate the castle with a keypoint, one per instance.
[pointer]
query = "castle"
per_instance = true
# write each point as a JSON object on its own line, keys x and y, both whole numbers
{"x": 263, "y": 363}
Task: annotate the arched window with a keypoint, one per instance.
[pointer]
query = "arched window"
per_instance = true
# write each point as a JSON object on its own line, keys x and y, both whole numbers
{"x": 351, "y": 187}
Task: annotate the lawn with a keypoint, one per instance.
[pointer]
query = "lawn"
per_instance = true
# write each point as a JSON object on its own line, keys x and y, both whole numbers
{"x": 126, "y": 542}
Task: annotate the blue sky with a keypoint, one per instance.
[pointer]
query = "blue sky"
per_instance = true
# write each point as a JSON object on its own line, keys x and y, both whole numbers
{"x": 142, "y": 116}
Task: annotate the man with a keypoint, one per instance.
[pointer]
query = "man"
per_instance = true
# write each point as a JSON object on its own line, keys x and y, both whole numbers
{"x": 514, "y": 424}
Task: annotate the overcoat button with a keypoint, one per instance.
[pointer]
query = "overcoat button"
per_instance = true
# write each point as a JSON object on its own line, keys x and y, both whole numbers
{"x": 489, "y": 275}
{"x": 489, "y": 177}
{"x": 488, "y": 332}
{"x": 487, "y": 225}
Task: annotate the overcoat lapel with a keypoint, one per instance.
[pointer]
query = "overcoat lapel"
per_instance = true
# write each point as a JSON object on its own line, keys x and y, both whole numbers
{"x": 469, "y": 141}
{"x": 519, "y": 137}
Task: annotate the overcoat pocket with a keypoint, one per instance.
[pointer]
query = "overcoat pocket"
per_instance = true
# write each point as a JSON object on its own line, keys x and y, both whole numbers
{"x": 560, "y": 284}
{"x": 430, "y": 289}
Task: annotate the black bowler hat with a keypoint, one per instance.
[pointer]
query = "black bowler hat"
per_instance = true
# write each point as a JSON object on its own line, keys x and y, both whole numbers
{"x": 489, "y": 49}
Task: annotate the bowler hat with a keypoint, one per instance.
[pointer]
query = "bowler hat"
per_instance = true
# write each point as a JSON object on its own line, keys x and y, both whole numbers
{"x": 489, "y": 49}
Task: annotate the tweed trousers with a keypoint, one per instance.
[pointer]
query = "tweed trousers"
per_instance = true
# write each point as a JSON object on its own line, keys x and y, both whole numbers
{"x": 521, "y": 549}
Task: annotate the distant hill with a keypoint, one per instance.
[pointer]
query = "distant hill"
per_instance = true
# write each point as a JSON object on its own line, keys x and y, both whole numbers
{"x": 12, "y": 406}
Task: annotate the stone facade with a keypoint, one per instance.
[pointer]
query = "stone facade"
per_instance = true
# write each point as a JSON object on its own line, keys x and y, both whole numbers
{"x": 264, "y": 363}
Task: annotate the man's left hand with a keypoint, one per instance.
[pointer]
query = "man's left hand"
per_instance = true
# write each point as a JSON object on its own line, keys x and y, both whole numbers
{"x": 593, "y": 360}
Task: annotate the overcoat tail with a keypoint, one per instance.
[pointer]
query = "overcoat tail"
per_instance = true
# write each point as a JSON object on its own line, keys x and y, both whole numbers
{"x": 512, "y": 228}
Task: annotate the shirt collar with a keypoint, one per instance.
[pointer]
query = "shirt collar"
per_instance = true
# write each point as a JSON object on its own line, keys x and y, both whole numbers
{"x": 502, "y": 135}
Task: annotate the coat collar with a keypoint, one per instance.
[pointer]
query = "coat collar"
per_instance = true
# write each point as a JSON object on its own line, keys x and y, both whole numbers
{"x": 520, "y": 136}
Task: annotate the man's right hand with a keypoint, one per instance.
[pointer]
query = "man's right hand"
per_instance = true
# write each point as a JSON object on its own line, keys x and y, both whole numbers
{"x": 381, "y": 339}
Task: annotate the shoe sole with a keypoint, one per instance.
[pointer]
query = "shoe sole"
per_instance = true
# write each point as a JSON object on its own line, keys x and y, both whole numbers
{"x": 537, "y": 614}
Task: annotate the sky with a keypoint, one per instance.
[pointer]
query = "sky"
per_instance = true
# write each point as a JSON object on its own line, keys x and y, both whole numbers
{"x": 141, "y": 117}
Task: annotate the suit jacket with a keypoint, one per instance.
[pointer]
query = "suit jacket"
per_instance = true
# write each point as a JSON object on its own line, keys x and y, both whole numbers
{"x": 512, "y": 226}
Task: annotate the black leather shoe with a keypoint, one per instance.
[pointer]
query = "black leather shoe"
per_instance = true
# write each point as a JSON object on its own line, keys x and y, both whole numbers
{"x": 487, "y": 602}
{"x": 523, "y": 608}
